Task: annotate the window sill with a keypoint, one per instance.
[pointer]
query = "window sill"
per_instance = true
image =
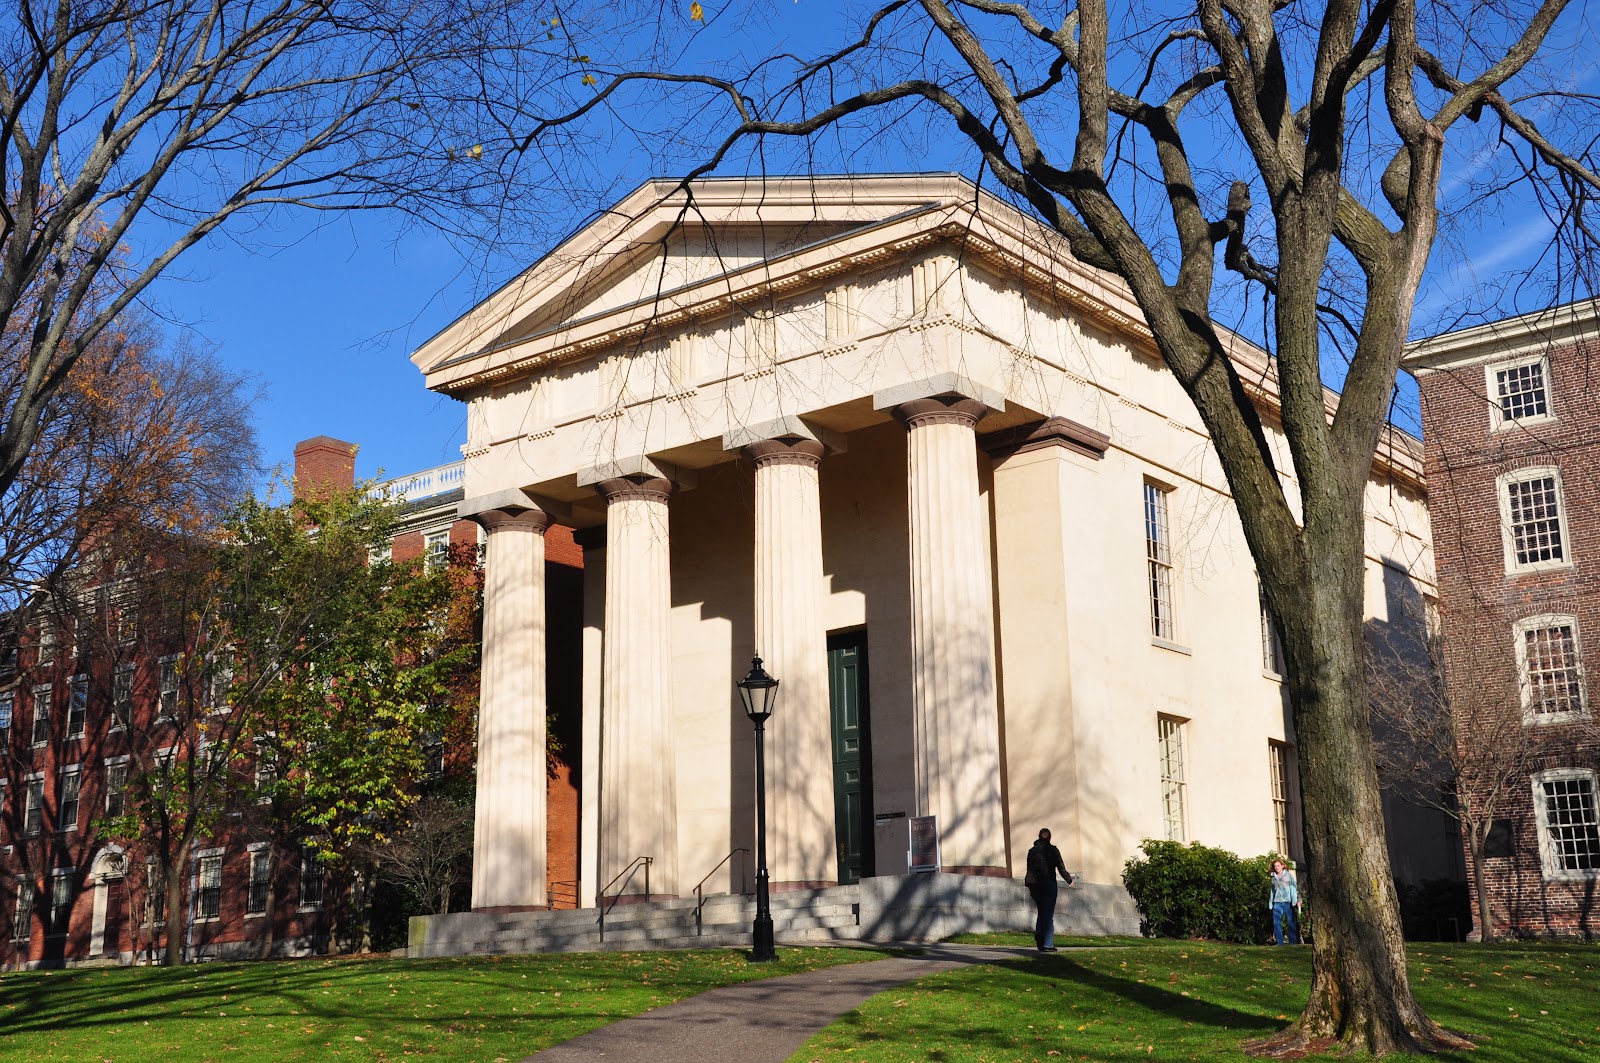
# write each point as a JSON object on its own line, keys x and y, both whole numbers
{"x": 1506, "y": 424}
{"x": 1553, "y": 719}
{"x": 1276, "y": 677}
{"x": 309, "y": 908}
{"x": 1537, "y": 567}
{"x": 1573, "y": 877}
{"x": 1167, "y": 644}
{"x": 255, "y": 915}
{"x": 207, "y": 919}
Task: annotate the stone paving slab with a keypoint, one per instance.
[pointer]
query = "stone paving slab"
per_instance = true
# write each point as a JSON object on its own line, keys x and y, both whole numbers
{"x": 758, "y": 1022}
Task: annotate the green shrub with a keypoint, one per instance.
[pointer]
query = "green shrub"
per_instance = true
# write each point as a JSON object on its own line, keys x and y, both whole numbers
{"x": 1195, "y": 891}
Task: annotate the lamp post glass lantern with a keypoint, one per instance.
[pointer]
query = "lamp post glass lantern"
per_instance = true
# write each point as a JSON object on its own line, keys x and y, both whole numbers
{"x": 759, "y": 692}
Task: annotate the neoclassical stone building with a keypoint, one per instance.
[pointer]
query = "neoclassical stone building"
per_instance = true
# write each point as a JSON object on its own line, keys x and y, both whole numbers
{"x": 888, "y": 434}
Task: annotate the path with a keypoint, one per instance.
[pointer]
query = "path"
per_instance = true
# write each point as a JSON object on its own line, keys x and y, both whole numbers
{"x": 759, "y": 1022}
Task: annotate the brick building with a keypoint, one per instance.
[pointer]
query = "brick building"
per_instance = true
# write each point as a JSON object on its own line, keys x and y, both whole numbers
{"x": 1511, "y": 423}
{"x": 87, "y": 694}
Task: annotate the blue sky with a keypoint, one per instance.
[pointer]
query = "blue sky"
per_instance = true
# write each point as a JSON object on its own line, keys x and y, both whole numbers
{"x": 325, "y": 312}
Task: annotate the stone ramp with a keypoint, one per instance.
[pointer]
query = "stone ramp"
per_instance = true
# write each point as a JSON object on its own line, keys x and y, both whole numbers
{"x": 757, "y": 1022}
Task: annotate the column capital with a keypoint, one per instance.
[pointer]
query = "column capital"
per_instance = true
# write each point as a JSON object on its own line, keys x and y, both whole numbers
{"x": 523, "y": 520}
{"x": 788, "y": 450}
{"x": 941, "y": 409}
{"x": 635, "y": 488}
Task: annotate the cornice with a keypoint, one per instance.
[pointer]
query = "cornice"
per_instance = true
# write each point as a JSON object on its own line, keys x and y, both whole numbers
{"x": 1509, "y": 338}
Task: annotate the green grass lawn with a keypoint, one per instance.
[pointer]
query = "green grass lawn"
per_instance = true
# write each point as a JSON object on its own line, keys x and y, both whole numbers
{"x": 484, "y": 1008}
{"x": 1196, "y": 1000}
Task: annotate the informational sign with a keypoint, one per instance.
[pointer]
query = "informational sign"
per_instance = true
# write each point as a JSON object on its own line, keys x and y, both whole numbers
{"x": 924, "y": 852}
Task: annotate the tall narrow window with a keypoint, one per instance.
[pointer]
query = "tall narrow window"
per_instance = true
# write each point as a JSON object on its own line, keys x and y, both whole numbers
{"x": 41, "y": 715}
{"x": 1285, "y": 803}
{"x": 77, "y": 706}
{"x": 1552, "y": 676}
{"x": 1271, "y": 643}
{"x": 122, "y": 696}
{"x": 155, "y": 893}
{"x": 311, "y": 872}
{"x": 116, "y": 787}
{"x": 6, "y": 701}
{"x": 1158, "y": 560}
{"x": 22, "y": 918}
{"x": 260, "y": 879}
{"x": 208, "y": 888}
{"x": 1174, "y": 812}
{"x": 219, "y": 683}
{"x": 60, "y": 900}
{"x": 1531, "y": 513}
{"x": 47, "y": 642}
{"x": 1569, "y": 823}
{"x": 71, "y": 787}
{"x": 33, "y": 807}
{"x": 169, "y": 687}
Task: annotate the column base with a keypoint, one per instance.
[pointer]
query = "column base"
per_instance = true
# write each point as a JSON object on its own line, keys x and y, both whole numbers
{"x": 976, "y": 869}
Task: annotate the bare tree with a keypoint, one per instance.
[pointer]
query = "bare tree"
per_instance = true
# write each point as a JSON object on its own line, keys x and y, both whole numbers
{"x": 1453, "y": 736}
{"x": 429, "y": 854}
{"x": 1145, "y": 141}
{"x": 147, "y": 124}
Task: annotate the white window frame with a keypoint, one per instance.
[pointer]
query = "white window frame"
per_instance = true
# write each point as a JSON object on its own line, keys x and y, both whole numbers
{"x": 1548, "y": 858}
{"x": 78, "y": 697}
{"x": 155, "y": 913}
{"x": 1502, "y": 487}
{"x": 1171, "y": 739}
{"x": 436, "y": 549}
{"x": 124, "y": 762}
{"x": 8, "y": 699}
{"x": 58, "y": 875}
{"x": 22, "y": 928}
{"x": 75, "y": 773}
{"x": 33, "y": 801}
{"x": 258, "y": 851}
{"x": 308, "y": 856}
{"x": 1520, "y": 632}
{"x": 1283, "y": 766}
{"x": 165, "y": 712}
{"x": 1497, "y": 418}
{"x": 203, "y": 857}
{"x": 122, "y": 677}
{"x": 47, "y": 643}
{"x": 1160, "y": 569}
{"x": 220, "y": 667}
{"x": 47, "y": 690}
{"x": 1272, "y": 660}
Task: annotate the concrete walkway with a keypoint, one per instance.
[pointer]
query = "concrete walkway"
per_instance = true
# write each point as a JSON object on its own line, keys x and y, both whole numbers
{"x": 759, "y": 1022}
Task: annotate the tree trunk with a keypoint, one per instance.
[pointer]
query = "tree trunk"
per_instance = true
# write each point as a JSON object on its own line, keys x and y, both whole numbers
{"x": 1361, "y": 997}
{"x": 173, "y": 955}
{"x": 270, "y": 917}
{"x": 1477, "y": 838}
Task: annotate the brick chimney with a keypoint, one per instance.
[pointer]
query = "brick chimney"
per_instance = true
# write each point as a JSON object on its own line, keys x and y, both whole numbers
{"x": 322, "y": 465}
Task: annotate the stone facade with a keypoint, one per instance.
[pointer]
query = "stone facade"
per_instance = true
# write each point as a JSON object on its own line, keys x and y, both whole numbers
{"x": 1506, "y": 405}
{"x": 888, "y": 420}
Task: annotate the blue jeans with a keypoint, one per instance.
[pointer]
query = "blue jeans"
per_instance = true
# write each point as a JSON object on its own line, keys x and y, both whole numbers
{"x": 1283, "y": 912}
{"x": 1044, "y": 931}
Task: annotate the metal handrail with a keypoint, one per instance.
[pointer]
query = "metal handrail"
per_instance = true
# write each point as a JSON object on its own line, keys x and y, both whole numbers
{"x": 632, "y": 865}
{"x": 699, "y": 899}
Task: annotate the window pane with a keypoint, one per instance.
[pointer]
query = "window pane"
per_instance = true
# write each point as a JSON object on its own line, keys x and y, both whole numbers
{"x": 1170, "y": 734}
{"x": 1522, "y": 392}
{"x": 1535, "y": 520}
{"x": 1554, "y": 680}
{"x": 1574, "y": 826}
{"x": 1158, "y": 559}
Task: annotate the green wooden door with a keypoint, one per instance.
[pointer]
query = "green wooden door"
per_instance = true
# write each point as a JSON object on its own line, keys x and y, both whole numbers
{"x": 852, "y": 754}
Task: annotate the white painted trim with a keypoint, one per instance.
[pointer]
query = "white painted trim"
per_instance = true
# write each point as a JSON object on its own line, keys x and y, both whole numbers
{"x": 1546, "y": 854}
{"x": 1498, "y": 421}
{"x": 1519, "y": 631}
{"x": 1508, "y": 540}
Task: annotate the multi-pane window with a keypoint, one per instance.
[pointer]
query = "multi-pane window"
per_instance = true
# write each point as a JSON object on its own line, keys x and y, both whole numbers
{"x": 77, "y": 706}
{"x": 122, "y": 696}
{"x": 219, "y": 684}
{"x": 208, "y": 888}
{"x": 311, "y": 874}
{"x": 1158, "y": 560}
{"x": 1569, "y": 822}
{"x": 1520, "y": 392}
{"x": 41, "y": 714}
{"x": 1552, "y": 674}
{"x": 436, "y": 549}
{"x": 255, "y": 900}
{"x": 1169, "y": 730}
{"x": 22, "y": 918}
{"x": 155, "y": 897}
{"x": 266, "y": 771}
{"x": 116, "y": 787}
{"x": 1535, "y": 535}
{"x": 1285, "y": 807}
{"x": 432, "y": 755}
{"x": 1271, "y": 643}
{"x": 33, "y": 806}
{"x": 60, "y": 900}
{"x": 67, "y": 808}
{"x": 6, "y": 701}
{"x": 168, "y": 688}
{"x": 47, "y": 642}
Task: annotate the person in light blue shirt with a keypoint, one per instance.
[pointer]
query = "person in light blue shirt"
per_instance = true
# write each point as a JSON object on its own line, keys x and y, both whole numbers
{"x": 1283, "y": 897}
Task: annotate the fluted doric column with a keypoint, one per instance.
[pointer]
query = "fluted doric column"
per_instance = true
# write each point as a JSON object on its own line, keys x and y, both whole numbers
{"x": 508, "y": 857}
{"x": 955, "y": 711}
{"x": 792, "y": 640}
{"x": 638, "y": 781}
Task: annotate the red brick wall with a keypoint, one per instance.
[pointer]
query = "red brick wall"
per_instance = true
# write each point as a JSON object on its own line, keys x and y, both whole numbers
{"x": 322, "y": 464}
{"x": 1480, "y": 602}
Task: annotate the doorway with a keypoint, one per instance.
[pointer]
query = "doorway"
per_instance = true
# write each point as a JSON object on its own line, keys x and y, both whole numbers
{"x": 852, "y": 753}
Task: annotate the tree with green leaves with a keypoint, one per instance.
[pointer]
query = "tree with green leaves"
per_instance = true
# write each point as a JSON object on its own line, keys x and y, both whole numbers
{"x": 312, "y": 667}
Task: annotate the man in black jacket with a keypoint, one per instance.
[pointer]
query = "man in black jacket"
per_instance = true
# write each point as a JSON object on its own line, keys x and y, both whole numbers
{"x": 1044, "y": 860}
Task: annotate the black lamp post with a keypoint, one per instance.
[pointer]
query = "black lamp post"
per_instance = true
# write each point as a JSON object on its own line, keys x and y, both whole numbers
{"x": 759, "y": 692}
